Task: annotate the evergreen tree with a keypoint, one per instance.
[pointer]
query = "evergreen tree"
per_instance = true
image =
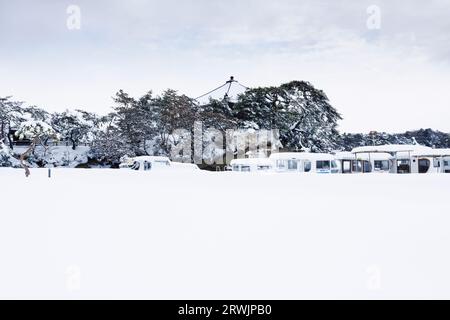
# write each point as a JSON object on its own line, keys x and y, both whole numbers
{"x": 302, "y": 114}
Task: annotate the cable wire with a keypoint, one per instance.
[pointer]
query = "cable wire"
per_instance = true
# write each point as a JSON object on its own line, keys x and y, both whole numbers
{"x": 211, "y": 91}
{"x": 229, "y": 83}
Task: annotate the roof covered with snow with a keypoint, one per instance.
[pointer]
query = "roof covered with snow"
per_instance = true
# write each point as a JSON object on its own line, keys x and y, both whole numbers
{"x": 392, "y": 148}
{"x": 251, "y": 161}
{"x": 363, "y": 156}
{"x": 301, "y": 156}
{"x": 432, "y": 153}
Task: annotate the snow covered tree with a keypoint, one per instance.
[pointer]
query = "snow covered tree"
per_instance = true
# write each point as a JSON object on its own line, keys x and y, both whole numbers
{"x": 426, "y": 137}
{"x": 173, "y": 112}
{"x": 135, "y": 120}
{"x": 36, "y": 132}
{"x": 10, "y": 116}
{"x": 302, "y": 114}
{"x": 217, "y": 114}
{"x": 74, "y": 126}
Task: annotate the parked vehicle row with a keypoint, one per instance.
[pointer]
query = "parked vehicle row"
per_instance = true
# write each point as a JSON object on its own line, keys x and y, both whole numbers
{"x": 153, "y": 163}
{"x": 398, "y": 159}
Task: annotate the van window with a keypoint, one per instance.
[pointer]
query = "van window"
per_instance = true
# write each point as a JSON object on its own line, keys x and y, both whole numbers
{"x": 424, "y": 165}
{"x": 356, "y": 166}
{"x": 334, "y": 167}
{"x": 264, "y": 168}
{"x": 381, "y": 165}
{"x": 403, "y": 166}
{"x": 361, "y": 166}
{"x": 235, "y": 167}
{"x": 324, "y": 165}
{"x": 245, "y": 168}
{"x": 292, "y": 165}
{"x": 147, "y": 165}
{"x": 367, "y": 166}
{"x": 346, "y": 166}
{"x": 163, "y": 162}
{"x": 136, "y": 165}
{"x": 281, "y": 164}
{"x": 307, "y": 166}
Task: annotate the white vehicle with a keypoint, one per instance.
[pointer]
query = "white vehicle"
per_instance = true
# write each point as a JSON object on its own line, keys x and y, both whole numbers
{"x": 431, "y": 161}
{"x": 364, "y": 162}
{"x": 251, "y": 165}
{"x": 184, "y": 166}
{"x": 305, "y": 162}
{"x": 145, "y": 163}
{"x": 411, "y": 158}
{"x": 150, "y": 163}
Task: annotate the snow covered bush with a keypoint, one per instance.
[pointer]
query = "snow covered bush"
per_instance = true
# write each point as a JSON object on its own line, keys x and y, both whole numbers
{"x": 7, "y": 158}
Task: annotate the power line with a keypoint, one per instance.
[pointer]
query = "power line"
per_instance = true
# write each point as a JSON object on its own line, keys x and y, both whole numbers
{"x": 211, "y": 91}
{"x": 245, "y": 87}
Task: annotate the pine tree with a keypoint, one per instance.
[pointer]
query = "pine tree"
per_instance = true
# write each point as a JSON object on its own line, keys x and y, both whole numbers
{"x": 302, "y": 114}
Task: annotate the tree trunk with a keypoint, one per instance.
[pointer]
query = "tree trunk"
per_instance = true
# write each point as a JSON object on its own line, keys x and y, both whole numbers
{"x": 25, "y": 155}
{"x": 2, "y": 132}
{"x": 10, "y": 142}
{"x": 8, "y": 135}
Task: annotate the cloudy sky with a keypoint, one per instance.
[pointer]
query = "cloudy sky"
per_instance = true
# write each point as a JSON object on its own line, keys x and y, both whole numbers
{"x": 387, "y": 74}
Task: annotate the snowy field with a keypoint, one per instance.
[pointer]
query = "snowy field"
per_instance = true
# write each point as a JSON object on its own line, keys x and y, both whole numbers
{"x": 124, "y": 234}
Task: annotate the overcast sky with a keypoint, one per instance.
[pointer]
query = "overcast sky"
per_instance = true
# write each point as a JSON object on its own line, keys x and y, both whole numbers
{"x": 394, "y": 78}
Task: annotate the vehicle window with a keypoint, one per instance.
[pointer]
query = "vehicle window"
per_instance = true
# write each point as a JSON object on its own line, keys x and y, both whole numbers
{"x": 324, "y": 165}
{"x": 292, "y": 165}
{"x": 381, "y": 165}
{"x": 356, "y": 166}
{"x": 333, "y": 164}
{"x": 346, "y": 166}
{"x": 307, "y": 166}
{"x": 281, "y": 164}
{"x": 245, "y": 168}
{"x": 424, "y": 165}
{"x": 235, "y": 167}
{"x": 147, "y": 165}
{"x": 367, "y": 166}
{"x": 162, "y": 162}
{"x": 446, "y": 163}
{"x": 403, "y": 166}
{"x": 136, "y": 165}
{"x": 264, "y": 168}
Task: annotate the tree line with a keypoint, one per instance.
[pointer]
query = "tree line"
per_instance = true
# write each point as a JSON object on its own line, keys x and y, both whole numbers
{"x": 145, "y": 125}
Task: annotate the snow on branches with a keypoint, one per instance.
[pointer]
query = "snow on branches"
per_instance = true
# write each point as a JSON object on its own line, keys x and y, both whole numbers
{"x": 32, "y": 130}
{"x": 36, "y": 132}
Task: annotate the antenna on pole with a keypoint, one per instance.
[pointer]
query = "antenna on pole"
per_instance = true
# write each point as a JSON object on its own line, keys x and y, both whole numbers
{"x": 228, "y": 83}
{"x": 231, "y": 80}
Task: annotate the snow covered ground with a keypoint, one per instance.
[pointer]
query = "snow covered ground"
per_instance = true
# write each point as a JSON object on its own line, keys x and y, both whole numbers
{"x": 125, "y": 234}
